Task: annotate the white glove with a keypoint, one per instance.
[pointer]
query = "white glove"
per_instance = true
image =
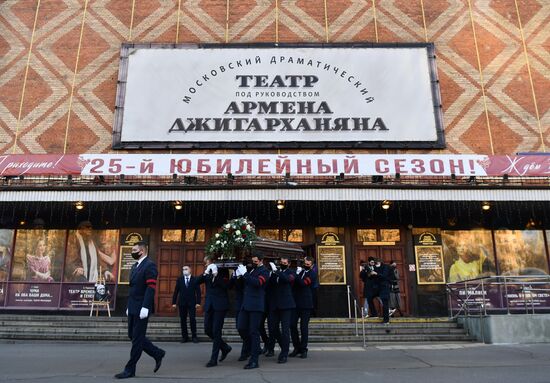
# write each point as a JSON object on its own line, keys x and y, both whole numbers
{"x": 298, "y": 270}
{"x": 238, "y": 272}
{"x": 214, "y": 269}
{"x": 208, "y": 268}
{"x": 126, "y": 312}
{"x": 273, "y": 267}
{"x": 361, "y": 268}
{"x": 144, "y": 313}
{"x": 242, "y": 269}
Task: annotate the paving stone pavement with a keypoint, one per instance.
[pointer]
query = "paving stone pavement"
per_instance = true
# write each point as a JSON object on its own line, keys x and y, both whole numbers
{"x": 46, "y": 362}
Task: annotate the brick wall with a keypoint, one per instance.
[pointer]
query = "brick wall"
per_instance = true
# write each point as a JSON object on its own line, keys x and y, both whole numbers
{"x": 46, "y": 108}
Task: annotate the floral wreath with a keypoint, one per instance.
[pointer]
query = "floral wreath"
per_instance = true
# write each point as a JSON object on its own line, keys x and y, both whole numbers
{"x": 236, "y": 235}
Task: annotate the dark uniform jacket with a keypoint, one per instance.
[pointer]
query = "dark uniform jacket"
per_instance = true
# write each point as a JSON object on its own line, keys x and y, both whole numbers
{"x": 255, "y": 282}
{"x": 283, "y": 281}
{"x": 237, "y": 283}
{"x": 368, "y": 282}
{"x": 188, "y": 295}
{"x": 271, "y": 293}
{"x": 216, "y": 292}
{"x": 303, "y": 289}
{"x": 382, "y": 280}
{"x": 143, "y": 281}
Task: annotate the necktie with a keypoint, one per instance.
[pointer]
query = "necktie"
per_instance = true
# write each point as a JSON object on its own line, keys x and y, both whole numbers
{"x": 187, "y": 282}
{"x": 132, "y": 272}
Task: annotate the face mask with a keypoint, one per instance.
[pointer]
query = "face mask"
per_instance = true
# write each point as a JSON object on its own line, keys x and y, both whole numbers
{"x": 136, "y": 255}
{"x": 307, "y": 267}
{"x": 284, "y": 267}
{"x": 186, "y": 273}
{"x": 254, "y": 265}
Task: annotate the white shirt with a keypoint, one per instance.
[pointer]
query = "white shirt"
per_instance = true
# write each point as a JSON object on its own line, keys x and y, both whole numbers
{"x": 140, "y": 260}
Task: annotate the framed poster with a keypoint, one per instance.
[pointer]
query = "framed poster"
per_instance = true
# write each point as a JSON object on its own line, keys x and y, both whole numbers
{"x": 429, "y": 265}
{"x": 38, "y": 256}
{"x": 331, "y": 263}
{"x": 127, "y": 240}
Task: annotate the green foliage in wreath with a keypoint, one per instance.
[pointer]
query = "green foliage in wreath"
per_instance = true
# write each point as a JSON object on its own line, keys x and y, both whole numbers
{"x": 235, "y": 236}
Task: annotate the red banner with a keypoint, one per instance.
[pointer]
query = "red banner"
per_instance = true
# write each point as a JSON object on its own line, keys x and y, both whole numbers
{"x": 274, "y": 165}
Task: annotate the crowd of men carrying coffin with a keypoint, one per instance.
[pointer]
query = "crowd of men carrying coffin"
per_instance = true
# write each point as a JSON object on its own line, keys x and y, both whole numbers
{"x": 275, "y": 293}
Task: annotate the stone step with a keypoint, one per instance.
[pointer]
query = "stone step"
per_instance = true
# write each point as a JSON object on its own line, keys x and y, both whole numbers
{"x": 227, "y": 330}
{"x": 103, "y": 317}
{"x": 236, "y": 339}
{"x": 228, "y": 323}
{"x": 322, "y": 330}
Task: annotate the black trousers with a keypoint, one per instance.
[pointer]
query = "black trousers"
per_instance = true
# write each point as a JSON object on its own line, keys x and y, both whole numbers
{"x": 249, "y": 327}
{"x": 137, "y": 329}
{"x": 300, "y": 341}
{"x": 213, "y": 325}
{"x": 280, "y": 330}
{"x": 385, "y": 306}
{"x": 192, "y": 312}
{"x": 263, "y": 332}
{"x": 271, "y": 327}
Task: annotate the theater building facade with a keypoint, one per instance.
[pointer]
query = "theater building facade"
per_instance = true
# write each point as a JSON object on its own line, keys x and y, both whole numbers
{"x": 413, "y": 131}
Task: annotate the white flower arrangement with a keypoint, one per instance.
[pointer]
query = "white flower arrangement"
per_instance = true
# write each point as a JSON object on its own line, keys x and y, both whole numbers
{"x": 236, "y": 234}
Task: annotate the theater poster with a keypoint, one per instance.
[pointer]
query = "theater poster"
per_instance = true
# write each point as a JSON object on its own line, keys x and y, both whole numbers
{"x": 468, "y": 254}
{"x": 6, "y": 243}
{"x": 37, "y": 267}
{"x": 521, "y": 252}
{"x": 38, "y": 256}
{"x": 429, "y": 259}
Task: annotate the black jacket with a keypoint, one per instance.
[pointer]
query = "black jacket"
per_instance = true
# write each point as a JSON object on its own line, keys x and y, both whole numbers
{"x": 143, "y": 282}
{"x": 254, "y": 289}
{"x": 188, "y": 295}
{"x": 283, "y": 281}
{"x": 216, "y": 297}
{"x": 303, "y": 289}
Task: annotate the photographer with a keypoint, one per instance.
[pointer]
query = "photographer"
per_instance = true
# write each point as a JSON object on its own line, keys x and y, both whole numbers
{"x": 395, "y": 297}
{"x": 365, "y": 273}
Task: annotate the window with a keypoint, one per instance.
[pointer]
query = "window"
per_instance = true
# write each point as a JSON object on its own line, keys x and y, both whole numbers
{"x": 169, "y": 235}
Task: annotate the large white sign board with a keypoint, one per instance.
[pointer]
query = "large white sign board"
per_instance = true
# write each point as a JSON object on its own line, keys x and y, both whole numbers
{"x": 340, "y": 96}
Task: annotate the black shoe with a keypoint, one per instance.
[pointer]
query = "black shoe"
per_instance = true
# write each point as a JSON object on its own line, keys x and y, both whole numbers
{"x": 242, "y": 358}
{"x": 195, "y": 339}
{"x": 211, "y": 363}
{"x": 158, "y": 361}
{"x": 225, "y": 352}
{"x": 281, "y": 359}
{"x": 269, "y": 353}
{"x": 251, "y": 365}
{"x": 303, "y": 355}
{"x": 125, "y": 375}
{"x": 184, "y": 340}
{"x": 294, "y": 353}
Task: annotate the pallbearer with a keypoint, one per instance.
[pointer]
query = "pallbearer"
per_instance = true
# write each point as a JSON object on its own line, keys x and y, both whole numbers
{"x": 216, "y": 304}
{"x": 306, "y": 279}
{"x": 284, "y": 305}
{"x": 251, "y": 314}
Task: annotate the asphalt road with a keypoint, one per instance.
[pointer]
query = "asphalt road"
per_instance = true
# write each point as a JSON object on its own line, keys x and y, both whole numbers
{"x": 98, "y": 362}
